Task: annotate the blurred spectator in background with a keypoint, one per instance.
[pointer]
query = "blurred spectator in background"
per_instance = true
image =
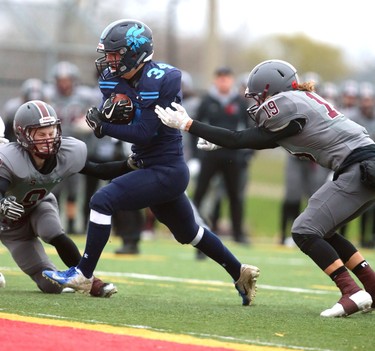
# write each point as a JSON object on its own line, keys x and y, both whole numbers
{"x": 364, "y": 114}
{"x": 224, "y": 106}
{"x": 128, "y": 225}
{"x": 71, "y": 100}
{"x": 191, "y": 101}
{"x": 348, "y": 98}
{"x": 348, "y": 105}
{"x": 330, "y": 92}
{"x": 31, "y": 89}
{"x": 302, "y": 179}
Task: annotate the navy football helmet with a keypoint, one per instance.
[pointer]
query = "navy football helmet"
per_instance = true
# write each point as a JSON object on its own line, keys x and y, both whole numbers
{"x": 132, "y": 40}
{"x": 31, "y": 116}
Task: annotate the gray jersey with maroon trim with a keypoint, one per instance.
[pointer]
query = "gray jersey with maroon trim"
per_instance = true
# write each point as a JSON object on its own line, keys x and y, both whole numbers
{"x": 328, "y": 136}
{"x": 30, "y": 186}
{"x": 41, "y": 218}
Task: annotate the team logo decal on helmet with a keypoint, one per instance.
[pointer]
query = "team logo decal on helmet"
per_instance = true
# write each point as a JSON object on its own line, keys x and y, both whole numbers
{"x": 135, "y": 39}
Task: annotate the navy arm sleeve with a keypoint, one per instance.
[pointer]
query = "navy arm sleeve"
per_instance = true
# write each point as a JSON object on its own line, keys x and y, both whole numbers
{"x": 105, "y": 170}
{"x": 252, "y": 138}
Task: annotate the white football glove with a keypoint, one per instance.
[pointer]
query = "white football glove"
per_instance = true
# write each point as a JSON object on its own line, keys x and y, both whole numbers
{"x": 206, "y": 145}
{"x": 2, "y": 281}
{"x": 177, "y": 119}
{"x": 10, "y": 208}
{"x": 4, "y": 140}
{"x": 2, "y": 131}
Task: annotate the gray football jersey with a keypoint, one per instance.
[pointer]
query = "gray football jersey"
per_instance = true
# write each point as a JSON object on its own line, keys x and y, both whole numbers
{"x": 328, "y": 136}
{"x": 30, "y": 186}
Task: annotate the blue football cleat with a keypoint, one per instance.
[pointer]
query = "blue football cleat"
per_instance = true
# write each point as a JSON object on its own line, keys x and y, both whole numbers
{"x": 71, "y": 278}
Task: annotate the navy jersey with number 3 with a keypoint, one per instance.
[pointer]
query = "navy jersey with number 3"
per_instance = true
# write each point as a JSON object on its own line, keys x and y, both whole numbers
{"x": 159, "y": 83}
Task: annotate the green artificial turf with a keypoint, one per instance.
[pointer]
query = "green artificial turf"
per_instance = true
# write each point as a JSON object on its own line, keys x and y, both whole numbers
{"x": 166, "y": 289}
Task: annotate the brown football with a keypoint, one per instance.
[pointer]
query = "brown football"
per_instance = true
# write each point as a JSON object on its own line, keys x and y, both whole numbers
{"x": 119, "y": 97}
{"x": 127, "y": 104}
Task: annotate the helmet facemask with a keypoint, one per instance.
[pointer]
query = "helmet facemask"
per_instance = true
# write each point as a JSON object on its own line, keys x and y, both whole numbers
{"x": 256, "y": 99}
{"x": 253, "y": 106}
{"x": 116, "y": 68}
{"x": 51, "y": 144}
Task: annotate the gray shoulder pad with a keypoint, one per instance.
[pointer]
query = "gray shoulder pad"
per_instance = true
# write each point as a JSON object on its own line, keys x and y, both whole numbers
{"x": 72, "y": 153}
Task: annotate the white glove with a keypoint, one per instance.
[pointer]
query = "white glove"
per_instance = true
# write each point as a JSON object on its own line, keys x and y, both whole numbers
{"x": 2, "y": 131}
{"x": 2, "y": 127}
{"x": 4, "y": 140}
{"x": 178, "y": 119}
{"x": 2, "y": 281}
{"x": 10, "y": 208}
{"x": 206, "y": 145}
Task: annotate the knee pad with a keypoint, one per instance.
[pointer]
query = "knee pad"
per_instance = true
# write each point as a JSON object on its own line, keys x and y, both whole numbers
{"x": 319, "y": 250}
{"x": 344, "y": 247}
{"x": 304, "y": 241}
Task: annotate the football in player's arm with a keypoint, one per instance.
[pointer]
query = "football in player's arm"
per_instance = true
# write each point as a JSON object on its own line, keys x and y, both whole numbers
{"x": 126, "y": 67}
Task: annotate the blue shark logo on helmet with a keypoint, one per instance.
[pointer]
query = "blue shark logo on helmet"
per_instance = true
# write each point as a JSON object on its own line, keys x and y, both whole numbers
{"x": 134, "y": 38}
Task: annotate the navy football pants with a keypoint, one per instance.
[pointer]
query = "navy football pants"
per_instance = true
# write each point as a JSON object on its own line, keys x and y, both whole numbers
{"x": 162, "y": 188}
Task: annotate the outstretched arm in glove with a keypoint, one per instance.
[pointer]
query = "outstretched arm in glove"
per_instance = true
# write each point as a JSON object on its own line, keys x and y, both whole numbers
{"x": 256, "y": 138}
{"x": 179, "y": 119}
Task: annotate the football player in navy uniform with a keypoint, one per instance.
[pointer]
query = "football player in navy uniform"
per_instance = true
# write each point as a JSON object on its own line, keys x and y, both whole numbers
{"x": 29, "y": 169}
{"x": 290, "y": 114}
{"x": 162, "y": 175}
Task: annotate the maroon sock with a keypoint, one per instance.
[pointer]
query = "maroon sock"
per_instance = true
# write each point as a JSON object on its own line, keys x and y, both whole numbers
{"x": 346, "y": 283}
{"x": 348, "y": 287}
{"x": 366, "y": 275}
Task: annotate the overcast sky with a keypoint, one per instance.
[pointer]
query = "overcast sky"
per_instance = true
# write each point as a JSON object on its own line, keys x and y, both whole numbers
{"x": 345, "y": 24}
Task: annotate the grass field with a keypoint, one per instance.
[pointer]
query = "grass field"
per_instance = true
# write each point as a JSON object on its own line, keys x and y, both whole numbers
{"x": 166, "y": 289}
